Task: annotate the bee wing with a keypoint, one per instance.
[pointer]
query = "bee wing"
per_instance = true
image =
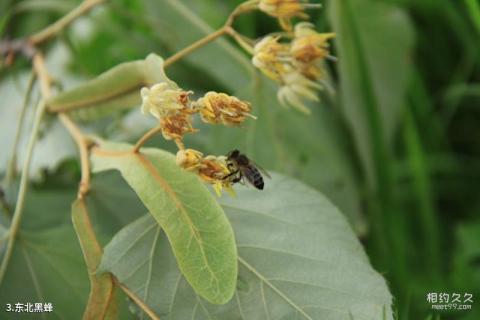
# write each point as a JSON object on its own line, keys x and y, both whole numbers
{"x": 261, "y": 169}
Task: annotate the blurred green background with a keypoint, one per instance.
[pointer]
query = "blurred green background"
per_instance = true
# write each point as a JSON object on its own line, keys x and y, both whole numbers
{"x": 395, "y": 144}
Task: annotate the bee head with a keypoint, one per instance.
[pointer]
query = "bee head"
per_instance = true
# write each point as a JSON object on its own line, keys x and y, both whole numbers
{"x": 233, "y": 154}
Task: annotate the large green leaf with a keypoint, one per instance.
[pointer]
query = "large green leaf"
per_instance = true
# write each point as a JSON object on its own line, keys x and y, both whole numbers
{"x": 298, "y": 259}
{"x": 200, "y": 235}
{"x": 46, "y": 260}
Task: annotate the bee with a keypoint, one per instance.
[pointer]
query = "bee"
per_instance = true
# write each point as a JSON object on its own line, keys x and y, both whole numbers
{"x": 241, "y": 168}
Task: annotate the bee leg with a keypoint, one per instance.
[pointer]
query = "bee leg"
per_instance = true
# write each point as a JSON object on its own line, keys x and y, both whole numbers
{"x": 241, "y": 179}
{"x": 237, "y": 179}
{"x": 230, "y": 174}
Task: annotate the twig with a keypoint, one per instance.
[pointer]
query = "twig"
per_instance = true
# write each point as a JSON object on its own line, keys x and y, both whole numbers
{"x": 194, "y": 46}
{"x": 43, "y": 76}
{"x": 244, "y": 42}
{"x": 138, "y": 301}
{"x": 17, "y": 215}
{"x": 82, "y": 144}
{"x": 12, "y": 164}
{"x": 226, "y": 28}
{"x": 58, "y": 26}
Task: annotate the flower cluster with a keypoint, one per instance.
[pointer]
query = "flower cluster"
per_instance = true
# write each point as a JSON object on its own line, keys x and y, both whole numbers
{"x": 174, "y": 110}
{"x": 285, "y": 10}
{"x": 211, "y": 169}
{"x": 296, "y": 65}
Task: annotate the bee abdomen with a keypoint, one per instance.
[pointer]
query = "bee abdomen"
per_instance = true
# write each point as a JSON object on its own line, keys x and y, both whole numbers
{"x": 256, "y": 179}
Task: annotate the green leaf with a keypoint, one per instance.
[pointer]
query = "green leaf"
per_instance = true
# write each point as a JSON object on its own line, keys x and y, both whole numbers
{"x": 114, "y": 90}
{"x": 298, "y": 259}
{"x": 200, "y": 235}
{"x": 374, "y": 42}
{"x": 101, "y": 301}
{"x": 46, "y": 261}
{"x": 312, "y": 148}
{"x": 466, "y": 267}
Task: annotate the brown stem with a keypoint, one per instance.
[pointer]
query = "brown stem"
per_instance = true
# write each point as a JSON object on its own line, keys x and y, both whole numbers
{"x": 242, "y": 8}
{"x": 58, "y": 26}
{"x": 145, "y": 137}
{"x": 145, "y": 308}
{"x": 42, "y": 74}
{"x": 200, "y": 43}
{"x": 82, "y": 144}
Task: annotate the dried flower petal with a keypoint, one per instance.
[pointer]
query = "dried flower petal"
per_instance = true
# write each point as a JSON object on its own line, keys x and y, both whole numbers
{"x": 174, "y": 127}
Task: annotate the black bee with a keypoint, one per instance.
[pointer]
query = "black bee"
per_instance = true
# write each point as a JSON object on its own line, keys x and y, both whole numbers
{"x": 241, "y": 167}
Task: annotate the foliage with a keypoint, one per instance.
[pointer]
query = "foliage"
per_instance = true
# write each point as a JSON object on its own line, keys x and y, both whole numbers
{"x": 393, "y": 144}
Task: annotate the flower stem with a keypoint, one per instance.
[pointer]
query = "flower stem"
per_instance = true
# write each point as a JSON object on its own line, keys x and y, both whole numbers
{"x": 200, "y": 43}
{"x": 138, "y": 301}
{"x": 145, "y": 138}
{"x": 226, "y": 29}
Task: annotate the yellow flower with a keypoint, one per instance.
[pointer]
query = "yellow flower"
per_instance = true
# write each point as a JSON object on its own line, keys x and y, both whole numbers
{"x": 213, "y": 170}
{"x": 176, "y": 126}
{"x": 220, "y": 108}
{"x": 309, "y": 45}
{"x": 161, "y": 100}
{"x": 271, "y": 57}
{"x": 295, "y": 89}
{"x": 284, "y": 10}
{"x": 189, "y": 159}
